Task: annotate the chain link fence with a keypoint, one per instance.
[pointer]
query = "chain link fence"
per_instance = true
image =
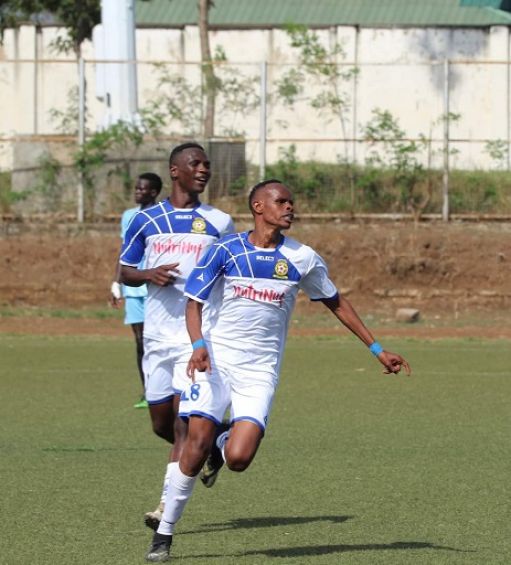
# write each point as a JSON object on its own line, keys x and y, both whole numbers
{"x": 419, "y": 138}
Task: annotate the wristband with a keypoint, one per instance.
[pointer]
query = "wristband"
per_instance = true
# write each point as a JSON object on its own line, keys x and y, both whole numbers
{"x": 375, "y": 348}
{"x": 115, "y": 289}
{"x": 198, "y": 343}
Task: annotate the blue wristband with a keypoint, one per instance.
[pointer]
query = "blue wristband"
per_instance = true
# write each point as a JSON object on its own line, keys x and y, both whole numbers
{"x": 375, "y": 348}
{"x": 198, "y": 343}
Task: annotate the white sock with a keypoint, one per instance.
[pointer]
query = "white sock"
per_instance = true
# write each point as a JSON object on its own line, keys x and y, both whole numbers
{"x": 166, "y": 482}
{"x": 221, "y": 440}
{"x": 179, "y": 491}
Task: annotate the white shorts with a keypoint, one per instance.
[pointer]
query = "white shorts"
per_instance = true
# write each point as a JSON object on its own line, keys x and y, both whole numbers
{"x": 249, "y": 394}
{"x": 164, "y": 366}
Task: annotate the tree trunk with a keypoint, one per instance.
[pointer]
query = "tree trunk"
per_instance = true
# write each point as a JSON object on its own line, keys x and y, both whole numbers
{"x": 209, "y": 79}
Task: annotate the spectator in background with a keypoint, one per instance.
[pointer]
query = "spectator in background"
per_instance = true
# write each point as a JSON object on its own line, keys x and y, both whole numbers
{"x": 147, "y": 189}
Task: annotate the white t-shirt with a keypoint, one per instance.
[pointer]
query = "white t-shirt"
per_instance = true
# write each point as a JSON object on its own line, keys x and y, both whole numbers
{"x": 258, "y": 293}
{"x": 164, "y": 235}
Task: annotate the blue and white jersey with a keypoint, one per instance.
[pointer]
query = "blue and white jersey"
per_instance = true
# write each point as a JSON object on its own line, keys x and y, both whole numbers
{"x": 164, "y": 235}
{"x": 131, "y": 291}
{"x": 258, "y": 293}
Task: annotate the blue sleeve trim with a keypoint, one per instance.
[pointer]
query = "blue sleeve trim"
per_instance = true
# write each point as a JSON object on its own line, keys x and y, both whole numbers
{"x": 325, "y": 298}
{"x": 195, "y": 298}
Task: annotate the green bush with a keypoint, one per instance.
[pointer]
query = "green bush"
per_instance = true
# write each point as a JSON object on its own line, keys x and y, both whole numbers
{"x": 7, "y": 196}
{"x": 327, "y": 187}
{"x": 317, "y": 185}
{"x": 480, "y": 191}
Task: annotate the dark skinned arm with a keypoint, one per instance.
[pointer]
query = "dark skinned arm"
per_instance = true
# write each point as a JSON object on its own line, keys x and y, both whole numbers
{"x": 346, "y": 314}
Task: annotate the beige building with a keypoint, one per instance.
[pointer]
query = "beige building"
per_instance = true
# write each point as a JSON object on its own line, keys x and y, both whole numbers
{"x": 417, "y": 60}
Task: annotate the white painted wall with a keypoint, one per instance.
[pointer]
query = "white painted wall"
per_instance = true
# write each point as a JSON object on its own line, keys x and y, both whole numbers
{"x": 395, "y": 74}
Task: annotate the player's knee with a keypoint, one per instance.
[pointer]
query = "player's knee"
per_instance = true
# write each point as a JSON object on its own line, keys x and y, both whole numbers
{"x": 238, "y": 465}
{"x": 238, "y": 461}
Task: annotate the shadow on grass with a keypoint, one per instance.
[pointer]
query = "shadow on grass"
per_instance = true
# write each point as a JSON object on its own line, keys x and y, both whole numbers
{"x": 342, "y": 548}
{"x": 267, "y": 522}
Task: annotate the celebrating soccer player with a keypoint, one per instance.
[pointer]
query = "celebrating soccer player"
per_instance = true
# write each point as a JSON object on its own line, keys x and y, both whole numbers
{"x": 253, "y": 279}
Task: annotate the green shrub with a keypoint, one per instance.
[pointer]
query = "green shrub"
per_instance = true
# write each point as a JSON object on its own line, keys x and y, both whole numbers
{"x": 7, "y": 196}
{"x": 327, "y": 187}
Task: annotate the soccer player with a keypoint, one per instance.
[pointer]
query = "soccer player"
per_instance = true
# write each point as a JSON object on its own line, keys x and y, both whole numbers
{"x": 171, "y": 237}
{"x": 237, "y": 360}
{"x": 147, "y": 188}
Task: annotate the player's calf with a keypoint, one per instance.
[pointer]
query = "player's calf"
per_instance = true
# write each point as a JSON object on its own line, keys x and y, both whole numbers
{"x": 215, "y": 460}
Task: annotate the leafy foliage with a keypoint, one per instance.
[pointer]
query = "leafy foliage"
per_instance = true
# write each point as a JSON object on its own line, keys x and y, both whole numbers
{"x": 48, "y": 182}
{"x": 66, "y": 119}
{"x": 391, "y": 151}
{"x": 93, "y": 154}
{"x": 78, "y": 17}
{"x": 319, "y": 66}
{"x": 498, "y": 151}
{"x": 315, "y": 183}
{"x": 178, "y": 99}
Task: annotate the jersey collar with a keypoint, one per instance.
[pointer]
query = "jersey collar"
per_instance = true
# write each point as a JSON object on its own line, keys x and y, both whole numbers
{"x": 265, "y": 249}
{"x": 173, "y": 209}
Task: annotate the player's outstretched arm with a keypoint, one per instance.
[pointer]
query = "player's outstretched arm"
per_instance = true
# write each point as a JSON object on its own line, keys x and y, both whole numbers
{"x": 199, "y": 360}
{"x": 342, "y": 309}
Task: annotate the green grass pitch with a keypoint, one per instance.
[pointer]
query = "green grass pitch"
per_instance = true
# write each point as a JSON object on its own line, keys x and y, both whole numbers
{"x": 356, "y": 468}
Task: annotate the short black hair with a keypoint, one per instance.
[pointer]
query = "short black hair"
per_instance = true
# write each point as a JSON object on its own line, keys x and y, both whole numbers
{"x": 154, "y": 179}
{"x": 178, "y": 149}
{"x": 259, "y": 185}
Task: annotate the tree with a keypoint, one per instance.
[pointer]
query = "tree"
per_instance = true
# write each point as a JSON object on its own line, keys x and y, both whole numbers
{"x": 318, "y": 66}
{"x": 77, "y": 16}
{"x": 391, "y": 151}
{"x": 211, "y": 82}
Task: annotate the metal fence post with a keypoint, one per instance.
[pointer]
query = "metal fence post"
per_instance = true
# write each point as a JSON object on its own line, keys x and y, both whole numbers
{"x": 262, "y": 120}
{"x": 445, "y": 178}
{"x": 508, "y": 101}
{"x": 81, "y": 134}
{"x": 37, "y": 39}
{"x": 354, "y": 131}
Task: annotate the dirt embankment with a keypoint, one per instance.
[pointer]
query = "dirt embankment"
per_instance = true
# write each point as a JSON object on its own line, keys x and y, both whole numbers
{"x": 450, "y": 270}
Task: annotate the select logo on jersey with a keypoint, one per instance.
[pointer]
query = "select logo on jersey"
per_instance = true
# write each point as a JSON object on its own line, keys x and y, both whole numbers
{"x": 265, "y": 258}
{"x": 281, "y": 269}
{"x": 199, "y": 225}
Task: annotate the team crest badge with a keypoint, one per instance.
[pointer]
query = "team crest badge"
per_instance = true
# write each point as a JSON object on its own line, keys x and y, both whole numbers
{"x": 199, "y": 225}
{"x": 281, "y": 269}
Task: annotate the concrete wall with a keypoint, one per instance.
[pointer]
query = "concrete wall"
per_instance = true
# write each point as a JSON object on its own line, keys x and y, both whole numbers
{"x": 399, "y": 70}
